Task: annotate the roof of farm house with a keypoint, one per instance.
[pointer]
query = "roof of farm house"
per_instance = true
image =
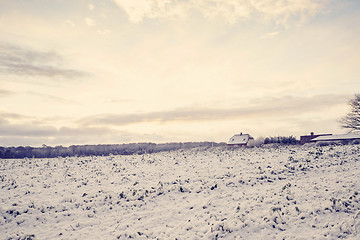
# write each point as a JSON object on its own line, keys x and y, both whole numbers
{"x": 239, "y": 139}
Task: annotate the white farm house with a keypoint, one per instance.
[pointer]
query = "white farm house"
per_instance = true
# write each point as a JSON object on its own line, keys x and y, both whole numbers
{"x": 241, "y": 140}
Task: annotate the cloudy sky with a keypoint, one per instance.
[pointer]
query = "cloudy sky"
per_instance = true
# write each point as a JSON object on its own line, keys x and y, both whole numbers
{"x": 117, "y": 71}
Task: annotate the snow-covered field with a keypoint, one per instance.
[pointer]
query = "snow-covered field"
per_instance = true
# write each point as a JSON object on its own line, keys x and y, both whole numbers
{"x": 277, "y": 192}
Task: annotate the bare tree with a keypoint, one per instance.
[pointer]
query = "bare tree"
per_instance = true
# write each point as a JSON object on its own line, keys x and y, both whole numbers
{"x": 352, "y": 119}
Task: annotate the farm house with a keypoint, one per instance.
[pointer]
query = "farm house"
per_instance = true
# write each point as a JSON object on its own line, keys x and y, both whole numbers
{"x": 241, "y": 140}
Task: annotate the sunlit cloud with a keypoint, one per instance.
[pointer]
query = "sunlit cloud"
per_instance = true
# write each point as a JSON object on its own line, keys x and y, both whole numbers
{"x": 281, "y": 12}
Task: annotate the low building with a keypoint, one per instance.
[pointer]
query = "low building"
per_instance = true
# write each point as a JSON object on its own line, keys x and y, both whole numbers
{"x": 241, "y": 140}
{"x": 307, "y": 138}
{"x": 338, "y": 137}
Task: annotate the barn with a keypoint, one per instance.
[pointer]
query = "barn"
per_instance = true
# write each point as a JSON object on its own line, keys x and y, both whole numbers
{"x": 338, "y": 137}
{"x": 241, "y": 140}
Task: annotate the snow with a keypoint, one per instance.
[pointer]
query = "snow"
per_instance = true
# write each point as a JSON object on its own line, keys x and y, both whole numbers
{"x": 277, "y": 192}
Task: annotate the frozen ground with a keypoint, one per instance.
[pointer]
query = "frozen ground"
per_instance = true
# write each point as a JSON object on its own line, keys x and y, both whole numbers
{"x": 300, "y": 192}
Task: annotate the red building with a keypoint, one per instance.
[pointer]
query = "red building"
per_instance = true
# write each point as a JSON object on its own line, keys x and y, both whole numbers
{"x": 307, "y": 138}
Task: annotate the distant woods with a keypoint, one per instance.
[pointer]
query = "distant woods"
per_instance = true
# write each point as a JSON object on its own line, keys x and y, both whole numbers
{"x": 121, "y": 149}
{"x": 97, "y": 150}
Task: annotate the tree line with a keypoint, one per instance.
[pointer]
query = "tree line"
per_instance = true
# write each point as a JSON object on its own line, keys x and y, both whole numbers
{"x": 282, "y": 140}
{"x": 97, "y": 150}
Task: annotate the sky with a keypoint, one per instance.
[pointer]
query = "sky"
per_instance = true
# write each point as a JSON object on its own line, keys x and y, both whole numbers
{"x": 121, "y": 71}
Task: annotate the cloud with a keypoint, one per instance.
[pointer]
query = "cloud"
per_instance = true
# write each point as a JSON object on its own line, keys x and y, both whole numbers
{"x": 70, "y": 23}
{"x": 20, "y": 61}
{"x": 257, "y": 108}
{"x": 91, "y": 7}
{"x": 5, "y": 93}
{"x": 281, "y": 12}
{"x": 25, "y": 130}
{"x": 115, "y": 137}
{"x": 100, "y": 29}
{"x": 269, "y": 35}
{"x": 14, "y": 124}
{"x": 90, "y": 22}
{"x": 30, "y": 133}
{"x": 48, "y": 97}
{"x": 39, "y": 129}
{"x": 103, "y": 31}
{"x": 6, "y": 116}
{"x": 29, "y": 126}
